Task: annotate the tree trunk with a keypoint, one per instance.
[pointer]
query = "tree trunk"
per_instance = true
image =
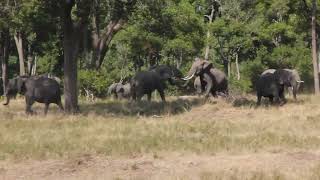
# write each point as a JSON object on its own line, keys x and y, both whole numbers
{"x": 229, "y": 69}
{"x": 4, "y": 55}
{"x": 210, "y": 18}
{"x": 314, "y": 48}
{"x": 34, "y": 68}
{"x": 101, "y": 43}
{"x": 71, "y": 47}
{"x": 19, "y": 44}
{"x": 30, "y": 61}
{"x": 237, "y": 67}
{"x": 179, "y": 61}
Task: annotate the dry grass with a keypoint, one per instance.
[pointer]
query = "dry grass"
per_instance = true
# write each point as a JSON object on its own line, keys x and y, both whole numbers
{"x": 192, "y": 126}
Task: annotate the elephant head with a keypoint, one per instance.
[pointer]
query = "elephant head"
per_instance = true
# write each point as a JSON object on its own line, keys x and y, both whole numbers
{"x": 166, "y": 72}
{"x": 198, "y": 67}
{"x": 15, "y": 86}
{"x": 289, "y": 78}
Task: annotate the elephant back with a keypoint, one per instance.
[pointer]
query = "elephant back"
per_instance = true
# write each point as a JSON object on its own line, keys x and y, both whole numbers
{"x": 219, "y": 75}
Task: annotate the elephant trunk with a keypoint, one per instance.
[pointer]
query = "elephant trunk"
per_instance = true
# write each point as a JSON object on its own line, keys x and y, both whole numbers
{"x": 7, "y": 100}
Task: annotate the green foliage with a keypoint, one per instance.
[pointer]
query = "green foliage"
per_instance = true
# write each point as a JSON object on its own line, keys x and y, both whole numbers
{"x": 262, "y": 34}
{"x": 93, "y": 81}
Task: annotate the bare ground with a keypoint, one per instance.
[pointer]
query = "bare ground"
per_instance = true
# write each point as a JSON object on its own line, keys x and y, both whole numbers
{"x": 286, "y": 165}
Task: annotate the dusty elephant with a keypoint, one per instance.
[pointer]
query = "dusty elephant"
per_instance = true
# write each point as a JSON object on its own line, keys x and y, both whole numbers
{"x": 123, "y": 91}
{"x": 215, "y": 80}
{"x": 35, "y": 89}
{"x": 145, "y": 82}
{"x": 291, "y": 80}
{"x": 112, "y": 89}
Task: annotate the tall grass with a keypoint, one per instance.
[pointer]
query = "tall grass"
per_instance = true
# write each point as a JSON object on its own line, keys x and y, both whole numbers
{"x": 195, "y": 127}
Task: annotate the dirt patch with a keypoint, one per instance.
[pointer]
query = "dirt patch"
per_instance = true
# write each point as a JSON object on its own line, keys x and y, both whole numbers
{"x": 293, "y": 165}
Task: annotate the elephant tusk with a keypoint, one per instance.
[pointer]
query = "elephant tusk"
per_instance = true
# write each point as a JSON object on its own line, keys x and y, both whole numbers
{"x": 300, "y": 81}
{"x": 188, "y": 78}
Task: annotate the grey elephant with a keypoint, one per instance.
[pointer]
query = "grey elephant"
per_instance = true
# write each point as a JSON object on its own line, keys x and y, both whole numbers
{"x": 292, "y": 81}
{"x": 272, "y": 85}
{"x": 35, "y": 89}
{"x": 51, "y": 76}
{"x": 145, "y": 82}
{"x": 123, "y": 91}
{"x": 216, "y": 81}
{"x": 112, "y": 89}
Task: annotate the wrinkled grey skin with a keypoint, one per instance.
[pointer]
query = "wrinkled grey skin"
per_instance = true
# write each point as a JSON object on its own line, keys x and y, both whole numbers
{"x": 272, "y": 85}
{"x": 112, "y": 90}
{"x": 291, "y": 80}
{"x": 123, "y": 91}
{"x": 199, "y": 86}
{"x": 35, "y": 89}
{"x": 51, "y": 76}
{"x": 145, "y": 82}
{"x": 215, "y": 80}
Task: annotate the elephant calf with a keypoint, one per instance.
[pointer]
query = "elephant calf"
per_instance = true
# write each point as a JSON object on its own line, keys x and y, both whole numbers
{"x": 120, "y": 90}
{"x": 35, "y": 89}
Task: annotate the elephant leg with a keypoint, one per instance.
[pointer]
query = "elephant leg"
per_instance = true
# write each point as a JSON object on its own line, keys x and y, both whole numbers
{"x": 294, "y": 92}
{"x": 29, "y": 103}
{"x": 161, "y": 92}
{"x": 209, "y": 86}
{"x": 271, "y": 99}
{"x": 149, "y": 96}
{"x": 139, "y": 95}
{"x": 214, "y": 93}
{"x": 46, "y": 107}
{"x": 258, "y": 99}
{"x": 282, "y": 98}
{"x": 60, "y": 105}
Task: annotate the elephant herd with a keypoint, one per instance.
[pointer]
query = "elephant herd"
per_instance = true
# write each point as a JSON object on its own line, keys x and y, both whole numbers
{"x": 208, "y": 81}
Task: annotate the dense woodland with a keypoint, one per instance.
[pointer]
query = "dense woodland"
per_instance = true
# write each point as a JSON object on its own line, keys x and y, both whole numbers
{"x": 100, "y": 42}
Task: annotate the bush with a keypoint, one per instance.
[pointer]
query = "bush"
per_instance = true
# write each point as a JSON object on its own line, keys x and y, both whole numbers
{"x": 94, "y": 81}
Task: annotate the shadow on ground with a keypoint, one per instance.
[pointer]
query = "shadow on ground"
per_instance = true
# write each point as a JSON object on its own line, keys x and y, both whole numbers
{"x": 144, "y": 108}
{"x": 251, "y": 102}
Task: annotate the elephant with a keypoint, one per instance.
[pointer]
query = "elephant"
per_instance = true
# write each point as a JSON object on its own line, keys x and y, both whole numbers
{"x": 292, "y": 80}
{"x": 35, "y": 89}
{"x": 51, "y": 76}
{"x": 199, "y": 85}
{"x": 145, "y": 82}
{"x": 216, "y": 81}
{"x": 272, "y": 85}
{"x": 112, "y": 89}
{"x": 123, "y": 91}
{"x": 120, "y": 90}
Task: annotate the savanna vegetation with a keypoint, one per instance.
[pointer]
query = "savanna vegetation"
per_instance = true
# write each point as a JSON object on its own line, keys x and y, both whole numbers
{"x": 104, "y": 41}
{"x": 90, "y": 44}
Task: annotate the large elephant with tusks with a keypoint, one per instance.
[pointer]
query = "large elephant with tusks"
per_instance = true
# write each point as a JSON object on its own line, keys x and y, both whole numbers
{"x": 215, "y": 80}
{"x": 291, "y": 79}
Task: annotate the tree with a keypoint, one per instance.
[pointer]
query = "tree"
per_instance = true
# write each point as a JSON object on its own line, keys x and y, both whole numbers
{"x": 314, "y": 48}
{"x": 108, "y": 18}
{"x": 72, "y": 32}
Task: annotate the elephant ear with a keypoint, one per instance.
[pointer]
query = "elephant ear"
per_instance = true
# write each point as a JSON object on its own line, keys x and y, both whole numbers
{"x": 121, "y": 90}
{"x": 207, "y": 65}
